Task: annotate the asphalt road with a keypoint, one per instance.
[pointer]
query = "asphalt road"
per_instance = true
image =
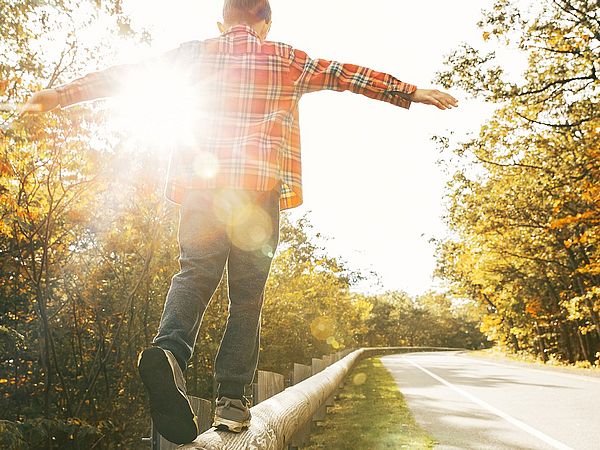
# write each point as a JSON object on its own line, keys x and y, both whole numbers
{"x": 470, "y": 403}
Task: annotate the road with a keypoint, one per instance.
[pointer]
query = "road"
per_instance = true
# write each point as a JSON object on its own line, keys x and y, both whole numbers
{"x": 470, "y": 403}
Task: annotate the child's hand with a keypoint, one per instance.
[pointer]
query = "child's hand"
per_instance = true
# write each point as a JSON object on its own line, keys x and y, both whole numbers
{"x": 433, "y": 97}
{"x": 42, "y": 101}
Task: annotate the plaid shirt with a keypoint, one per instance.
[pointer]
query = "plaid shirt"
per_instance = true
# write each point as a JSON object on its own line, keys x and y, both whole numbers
{"x": 247, "y": 134}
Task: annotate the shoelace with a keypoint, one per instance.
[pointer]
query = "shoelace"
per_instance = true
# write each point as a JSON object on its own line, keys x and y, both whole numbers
{"x": 228, "y": 404}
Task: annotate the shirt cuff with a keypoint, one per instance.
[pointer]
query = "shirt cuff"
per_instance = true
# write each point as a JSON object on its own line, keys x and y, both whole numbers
{"x": 66, "y": 96}
{"x": 398, "y": 89}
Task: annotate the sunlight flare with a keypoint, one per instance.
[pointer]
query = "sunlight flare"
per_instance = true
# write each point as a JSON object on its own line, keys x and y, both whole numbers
{"x": 158, "y": 110}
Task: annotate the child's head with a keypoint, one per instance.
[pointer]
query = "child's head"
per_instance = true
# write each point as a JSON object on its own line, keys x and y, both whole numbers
{"x": 255, "y": 13}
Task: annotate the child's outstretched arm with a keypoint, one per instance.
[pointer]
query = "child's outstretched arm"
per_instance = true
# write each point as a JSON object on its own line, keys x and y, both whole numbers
{"x": 319, "y": 74}
{"x": 104, "y": 83}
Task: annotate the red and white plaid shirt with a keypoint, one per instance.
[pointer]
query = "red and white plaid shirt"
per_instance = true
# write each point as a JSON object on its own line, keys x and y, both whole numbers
{"x": 247, "y": 93}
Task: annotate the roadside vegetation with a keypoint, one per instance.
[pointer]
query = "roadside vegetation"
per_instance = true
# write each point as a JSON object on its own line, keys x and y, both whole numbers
{"x": 524, "y": 194}
{"x": 369, "y": 413}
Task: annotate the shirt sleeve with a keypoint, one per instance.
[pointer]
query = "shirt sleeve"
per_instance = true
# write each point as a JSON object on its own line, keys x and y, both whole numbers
{"x": 319, "y": 74}
{"x": 113, "y": 80}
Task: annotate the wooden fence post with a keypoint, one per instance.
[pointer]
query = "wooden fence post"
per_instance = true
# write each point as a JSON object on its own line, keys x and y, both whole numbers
{"x": 301, "y": 373}
{"x": 339, "y": 355}
{"x": 267, "y": 385}
{"x": 317, "y": 366}
{"x": 329, "y": 360}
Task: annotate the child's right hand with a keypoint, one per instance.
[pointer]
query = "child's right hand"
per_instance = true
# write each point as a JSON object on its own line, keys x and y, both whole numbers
{"x": 42, "y": 101}
{"x": 433, "y": 97}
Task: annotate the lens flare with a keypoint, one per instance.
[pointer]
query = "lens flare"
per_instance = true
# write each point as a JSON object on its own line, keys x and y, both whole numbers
{"x": 359, "y": 378}
{"x": 227, "y": 202}
{"x": 322, "y": 328}
{"x": 251, "y": 229}
{"x": 268, "y": 251}
{"x": 205, "y": 165}
{"x": 248, "y": 225}
{"x": 331, "y": 340}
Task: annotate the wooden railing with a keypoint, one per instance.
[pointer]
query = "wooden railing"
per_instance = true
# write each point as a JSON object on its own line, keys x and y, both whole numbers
{"x": 282, "y": 419}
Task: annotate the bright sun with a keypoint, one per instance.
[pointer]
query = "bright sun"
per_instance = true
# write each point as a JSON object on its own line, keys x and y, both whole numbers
{"x": 156, "y": 109}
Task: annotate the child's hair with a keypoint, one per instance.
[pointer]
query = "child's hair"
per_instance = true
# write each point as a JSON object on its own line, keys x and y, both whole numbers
{"x": 249, "y": 11}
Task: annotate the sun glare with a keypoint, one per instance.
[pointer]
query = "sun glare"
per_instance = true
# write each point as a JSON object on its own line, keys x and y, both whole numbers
{"x": 156, "y": 110}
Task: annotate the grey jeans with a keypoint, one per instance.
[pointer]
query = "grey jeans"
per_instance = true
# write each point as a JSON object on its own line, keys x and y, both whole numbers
{"x": 237, "y": 229}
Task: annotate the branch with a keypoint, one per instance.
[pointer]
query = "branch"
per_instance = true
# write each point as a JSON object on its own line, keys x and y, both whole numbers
{"x": 554, "y": 125}
{"x": 130, "y": 298}
{"x": 533, "y": 258}
{"x": 58, "y": 69}
{"x": 569, "y": 8}
{"x": 592, "y": 76}
{"x": 574, "y": 52}
{"x": 514, "y": 164}
{"x": 489, "y": 302}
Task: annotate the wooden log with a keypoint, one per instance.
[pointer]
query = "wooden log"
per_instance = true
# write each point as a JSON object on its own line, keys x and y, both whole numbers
{"x": 202, "y": 408}
{"x": 268, "y": 384}
{"x": 275, "y": 420}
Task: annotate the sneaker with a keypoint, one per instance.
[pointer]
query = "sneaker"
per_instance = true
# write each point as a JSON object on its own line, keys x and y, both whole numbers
{"x": 232, "y": 414}
{"x": 170, "y": 409}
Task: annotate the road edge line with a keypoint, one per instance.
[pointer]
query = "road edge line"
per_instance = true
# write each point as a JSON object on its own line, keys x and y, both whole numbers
{"x": 516, "y": 422}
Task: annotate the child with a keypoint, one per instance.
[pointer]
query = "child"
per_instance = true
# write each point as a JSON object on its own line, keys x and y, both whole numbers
{"x": 231, "y": 182}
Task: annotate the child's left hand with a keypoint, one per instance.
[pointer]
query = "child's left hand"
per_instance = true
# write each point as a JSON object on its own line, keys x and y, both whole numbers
{"x": 433, "y": 97}
{"x": 40, "y": 102}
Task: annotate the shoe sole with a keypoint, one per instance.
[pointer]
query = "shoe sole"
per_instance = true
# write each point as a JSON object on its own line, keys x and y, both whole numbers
{"x": 230, "y": 425}
{"x": 171, "y": 412}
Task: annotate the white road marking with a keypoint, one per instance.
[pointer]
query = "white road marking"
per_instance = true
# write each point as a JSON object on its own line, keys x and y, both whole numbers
{"x": 547, "y": 372}
{"x": 516, "y": 422}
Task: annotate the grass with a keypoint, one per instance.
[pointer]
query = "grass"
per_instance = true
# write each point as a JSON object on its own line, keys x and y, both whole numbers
{"x": 370, "y": 413}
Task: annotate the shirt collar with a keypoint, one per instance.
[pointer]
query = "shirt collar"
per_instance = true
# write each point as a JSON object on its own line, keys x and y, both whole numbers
{"x": 241, "y": 27}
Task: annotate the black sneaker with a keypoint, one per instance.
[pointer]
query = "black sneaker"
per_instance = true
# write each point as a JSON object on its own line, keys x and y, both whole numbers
{"x": 232, "y": 414}
{"x": 170, "y": 408}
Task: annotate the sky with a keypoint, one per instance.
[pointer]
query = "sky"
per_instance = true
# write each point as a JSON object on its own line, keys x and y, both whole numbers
{"x": 371, "y": 182}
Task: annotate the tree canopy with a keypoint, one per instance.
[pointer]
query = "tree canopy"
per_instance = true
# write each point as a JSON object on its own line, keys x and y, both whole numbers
{"x": 524, "y": 197}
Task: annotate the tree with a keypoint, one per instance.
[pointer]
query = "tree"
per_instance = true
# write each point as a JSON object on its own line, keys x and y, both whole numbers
{"x": 429, "y": 320}
{"x": 524, "y": 199}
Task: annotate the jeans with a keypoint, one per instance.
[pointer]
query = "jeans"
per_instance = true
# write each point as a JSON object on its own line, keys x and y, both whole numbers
{"x": 237, "y": 229}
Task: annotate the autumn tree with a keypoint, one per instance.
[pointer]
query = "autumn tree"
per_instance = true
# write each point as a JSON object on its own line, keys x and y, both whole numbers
{"x": 524, "y": 196}
{"x": 429, "y": 320}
